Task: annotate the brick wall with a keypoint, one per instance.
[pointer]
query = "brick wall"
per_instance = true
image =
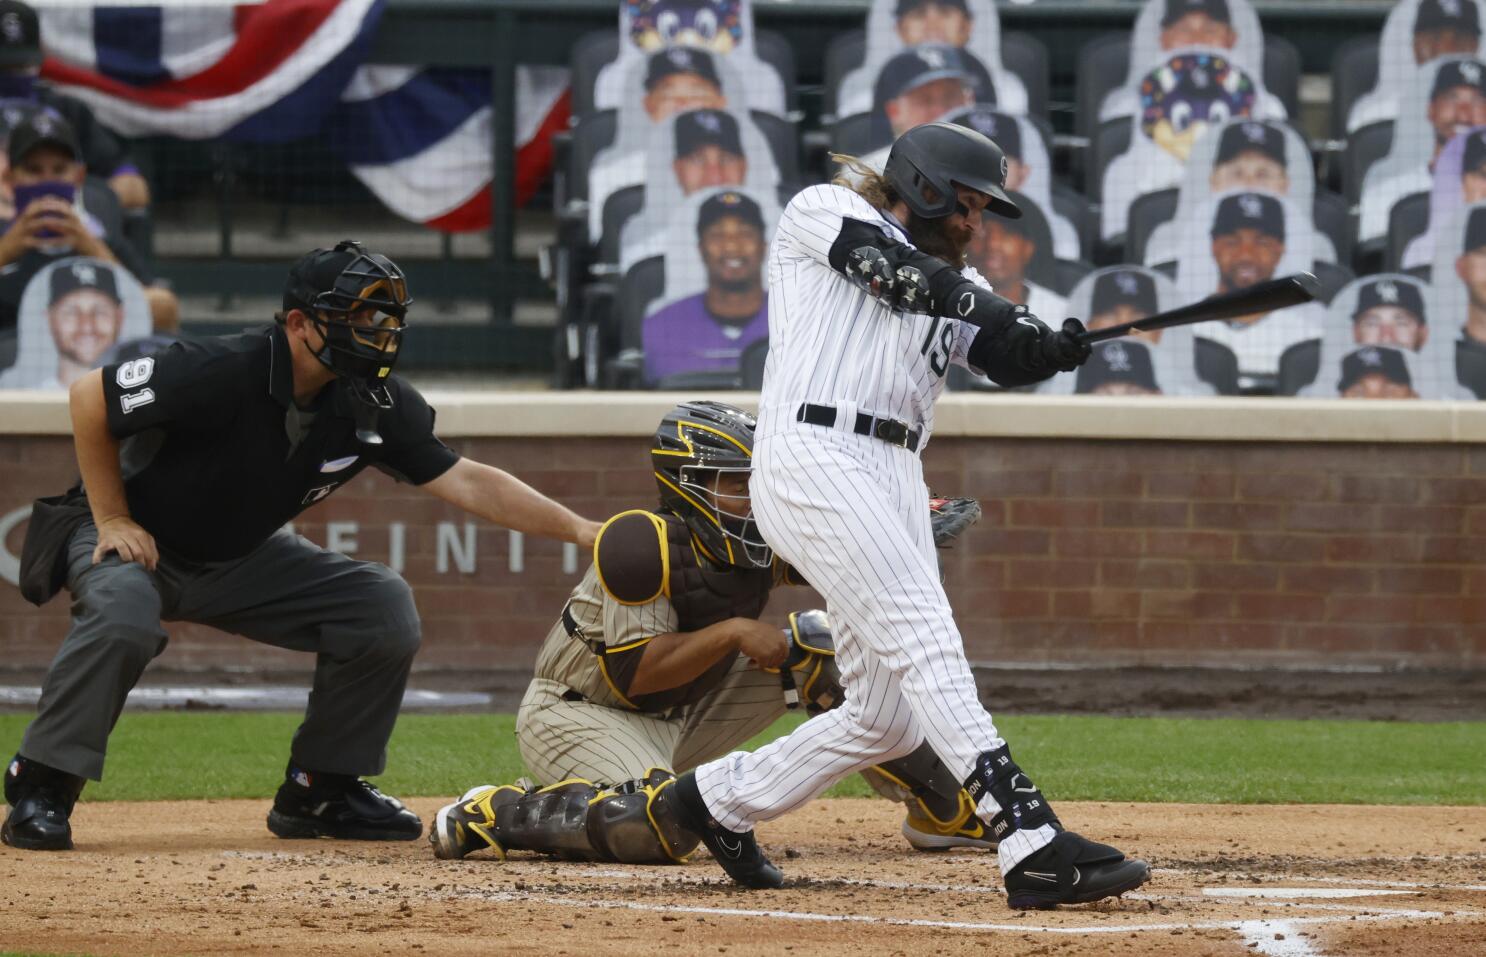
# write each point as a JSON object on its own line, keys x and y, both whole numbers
{"x": 1091, "y": 552}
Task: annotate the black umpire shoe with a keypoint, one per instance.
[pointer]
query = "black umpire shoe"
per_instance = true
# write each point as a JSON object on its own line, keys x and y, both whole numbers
{"x": 41, "y": 799}
{"x": 311, "y": 804}
{"x": 1072, "y": 870}
{"x": 738, "y": 854}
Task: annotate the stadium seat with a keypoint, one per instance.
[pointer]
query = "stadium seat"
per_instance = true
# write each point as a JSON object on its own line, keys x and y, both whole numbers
{"x": 622, "y": 360}
{"x": 852, "y": 135}
{"x": 844, "y": 53}
{"x": 1407, "y": 220}
{"x": 621, "y": 205}
{"x": 1299, "y": 366}
{"x": 597, "y": 49}
{"x": 1331, "y": 278}
{"x": 751, "y": 366}
{"x": 592, "y": 133}
{"x": 1072, "y": 206}
{"x": 1330, "y": 214}
{"x": 1146, "y": 213}
{"x": 1354, "y": 72}
{"x": 1111, "y": 139}
{"x": 1066, "y": 274}
{"x": 1364, "y": 148}
{"x": 1216, "y": 365}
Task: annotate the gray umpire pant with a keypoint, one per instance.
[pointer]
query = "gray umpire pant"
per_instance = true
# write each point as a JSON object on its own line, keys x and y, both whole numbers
{"x": 358, "y": 617}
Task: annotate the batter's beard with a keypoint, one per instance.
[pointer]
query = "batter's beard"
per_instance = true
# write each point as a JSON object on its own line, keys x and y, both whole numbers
{"x": 932, "y": 236}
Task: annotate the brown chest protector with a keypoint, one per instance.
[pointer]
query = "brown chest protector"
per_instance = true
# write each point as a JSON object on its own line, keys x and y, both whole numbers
{"x": 643, "y": 555}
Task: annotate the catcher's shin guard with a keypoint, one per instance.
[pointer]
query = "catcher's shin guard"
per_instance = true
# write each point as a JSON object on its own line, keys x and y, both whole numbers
{"x": 941, "y": 814}
{"x": 578, "y": 820}
{"x": 468, "y": 825}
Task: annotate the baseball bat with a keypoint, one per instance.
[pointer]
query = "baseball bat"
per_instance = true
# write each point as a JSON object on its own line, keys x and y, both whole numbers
{"x": 1261, "y": 297}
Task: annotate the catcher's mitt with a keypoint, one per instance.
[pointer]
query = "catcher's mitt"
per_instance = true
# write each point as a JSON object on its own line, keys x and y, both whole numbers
{"x": 950, "y": 517}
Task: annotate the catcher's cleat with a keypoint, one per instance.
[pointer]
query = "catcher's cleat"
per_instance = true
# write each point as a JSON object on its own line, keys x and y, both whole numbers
{"x": 1072, "y": 870}
{"x": 311, "y": 804}
{"x": 926, "y": 834}
{"x": 468, "y": 825}
{"x": 41, "y": 801}
{"x": 737, "y": 853}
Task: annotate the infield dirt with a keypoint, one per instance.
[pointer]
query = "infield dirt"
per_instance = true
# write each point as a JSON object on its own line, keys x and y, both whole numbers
{"x": 206, "y": 878}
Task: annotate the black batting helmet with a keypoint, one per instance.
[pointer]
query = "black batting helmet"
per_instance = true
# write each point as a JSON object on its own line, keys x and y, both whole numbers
{"x": 926, "y": 162}
{"x": 359, "y": 303}
{"x": 695, "y": 442}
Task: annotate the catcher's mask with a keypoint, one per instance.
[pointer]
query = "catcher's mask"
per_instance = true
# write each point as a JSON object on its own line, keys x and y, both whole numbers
{"x": 359, "y": 303}
{"x": 698, "y": 442}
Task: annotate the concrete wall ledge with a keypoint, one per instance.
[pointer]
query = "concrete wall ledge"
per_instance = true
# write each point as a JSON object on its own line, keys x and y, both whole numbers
{"x": 526, "y": 414}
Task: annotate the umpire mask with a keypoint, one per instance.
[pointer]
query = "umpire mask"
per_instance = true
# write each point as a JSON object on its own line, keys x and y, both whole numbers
{"x": 702, "y": 452}
{"x": 358, "y": 302}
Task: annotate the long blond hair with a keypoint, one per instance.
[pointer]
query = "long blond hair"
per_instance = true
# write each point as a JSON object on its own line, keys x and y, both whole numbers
{"x": 865, "y": 181}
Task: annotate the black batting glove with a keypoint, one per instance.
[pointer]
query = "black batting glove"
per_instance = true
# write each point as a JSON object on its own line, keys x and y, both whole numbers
{"x": 1063, "y": 350}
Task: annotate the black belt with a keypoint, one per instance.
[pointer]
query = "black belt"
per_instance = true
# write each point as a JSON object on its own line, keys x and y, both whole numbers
{"x": 890, "y": 431}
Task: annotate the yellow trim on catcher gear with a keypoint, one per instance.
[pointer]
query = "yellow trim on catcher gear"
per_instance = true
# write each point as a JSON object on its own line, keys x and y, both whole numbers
{"x": 794, "y": 629}
{"x": 659, "y": 525}
{"x": 690, "y": 450}
{"x": 651, "y": 793}
{"x": 965, "y": 811}
{"x": 604, "y": 670}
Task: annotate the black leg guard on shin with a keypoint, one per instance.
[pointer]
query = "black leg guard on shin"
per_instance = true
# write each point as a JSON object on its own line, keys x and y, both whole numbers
{"x": 1020, "y": 805}
{"x": 923, "y": 782}
{"x": 577, "y": 820}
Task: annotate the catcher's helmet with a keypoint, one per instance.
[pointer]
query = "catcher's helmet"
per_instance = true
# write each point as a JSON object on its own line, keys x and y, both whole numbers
{"x": 926, "y": 162}
{"x": 359, "y": 302}
{"x": 695, "y": 441}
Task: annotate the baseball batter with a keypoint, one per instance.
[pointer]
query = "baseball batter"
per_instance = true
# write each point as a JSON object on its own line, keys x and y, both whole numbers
{"x": 659, "y": 661}
{"x": 869, "y": 303}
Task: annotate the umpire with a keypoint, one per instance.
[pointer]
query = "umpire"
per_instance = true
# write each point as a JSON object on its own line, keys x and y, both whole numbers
{"x": 192, "y": 461}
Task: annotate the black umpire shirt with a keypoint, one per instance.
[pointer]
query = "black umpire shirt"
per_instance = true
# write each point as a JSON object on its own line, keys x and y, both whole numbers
{"x": 217, "y": 456}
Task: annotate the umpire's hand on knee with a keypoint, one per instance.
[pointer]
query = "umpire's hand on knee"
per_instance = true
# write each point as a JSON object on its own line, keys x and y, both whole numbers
{"x": 766, "y": 645}
{"x": 124, "y": 535}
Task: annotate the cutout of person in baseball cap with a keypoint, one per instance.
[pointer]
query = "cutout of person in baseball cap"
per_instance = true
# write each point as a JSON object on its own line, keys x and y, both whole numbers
{"x": 1376, "y": 372}
{"x": 970, "y": 26}
{"x": 71, "y": 315}
{"x": 723, "y": 29}
{"x": 1445, "y": 98}
{"x": 695, "y": 151}
{"x": 1227, "y": 28}
{"x": 1251, "y": 237}
{"x": 921, "y": 85}
{"x": 715, "y": 304}
{"x": 1242, "y": 154}
{"x": 1416, "y": 33}
{"x": 1393, "y": 311}
{"x": 1118, "y": 367}
{"x": 1180, "y": 99}
{"x": 1459, "y": 304}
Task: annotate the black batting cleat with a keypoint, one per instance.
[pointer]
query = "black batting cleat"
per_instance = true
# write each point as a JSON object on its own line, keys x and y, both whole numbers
{"x": 311, "y": 804}
{"x": 738, "y": 853}
{"x": 1072, "y": 870}
{"x": 41, "y": 799}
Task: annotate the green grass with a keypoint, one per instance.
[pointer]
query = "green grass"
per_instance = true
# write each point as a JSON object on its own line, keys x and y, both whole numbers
{"x": 177, "y": 755}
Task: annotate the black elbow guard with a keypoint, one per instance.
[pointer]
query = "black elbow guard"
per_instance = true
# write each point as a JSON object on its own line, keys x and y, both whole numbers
{"x": 886, "y": 269}
{"x": 956, "y": 297}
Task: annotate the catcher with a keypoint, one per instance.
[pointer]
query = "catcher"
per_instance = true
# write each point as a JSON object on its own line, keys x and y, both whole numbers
{"x": 659, "y": 662}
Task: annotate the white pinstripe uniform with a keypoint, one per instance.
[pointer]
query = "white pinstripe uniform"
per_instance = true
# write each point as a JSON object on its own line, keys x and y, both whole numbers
{"x": 847, "y": 511}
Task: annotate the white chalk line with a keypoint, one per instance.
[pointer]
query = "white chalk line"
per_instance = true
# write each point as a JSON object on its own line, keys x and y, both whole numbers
{"x": 1276, "y": 938}
{"x": 1363, "y": 881}
{"x": 1303, "y": 893}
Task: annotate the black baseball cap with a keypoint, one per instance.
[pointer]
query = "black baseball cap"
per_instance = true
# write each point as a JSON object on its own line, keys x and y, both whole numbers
{"x": 1176, "y": 9}
{"x": 908, "y": 6}
{"x": 698, "y": 128}
{"x": 918, "y": 65}
{"x": 1475, "y": 152}
{"x": 1249, "y": 136}
{"x": 729, "y": 203}
{"x": 1453, "y": 73}
{"x": 84, "y": 274}
{"x": 20, "y": 35}
{"x": 1390, "y": 292}
{"x": 1250, "y": 211}
{"x": 1117, "y": 361}
{"x": 1475, "y": 230}
{"x": 1000, "y": 128}
{"x": 44, "y": 127}
{"x": 1448, "y": 15}
{"x": 675, "y": 60}
{"x": 1124, "y": 287}
{"x": 1374, "y": 360}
